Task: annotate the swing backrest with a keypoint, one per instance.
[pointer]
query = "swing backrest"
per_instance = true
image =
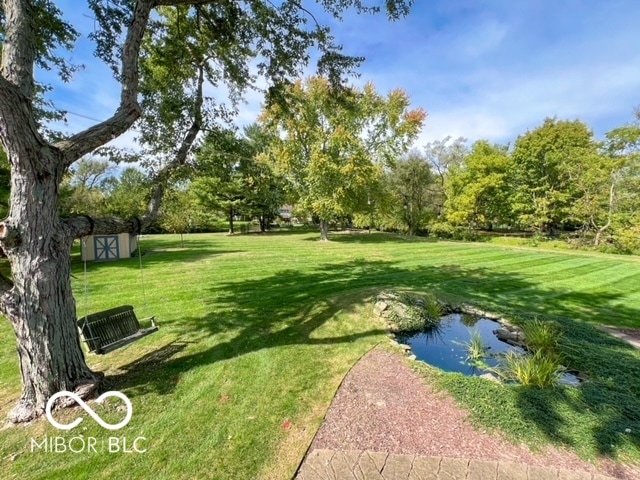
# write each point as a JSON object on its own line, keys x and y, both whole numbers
{"x": 107, "y": 330}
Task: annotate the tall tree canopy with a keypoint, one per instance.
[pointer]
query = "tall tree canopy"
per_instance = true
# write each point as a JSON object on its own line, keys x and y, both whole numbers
{"x": 334, "y": 142}
{"x": 412, "y": 183}
{"x": 223, "y": 161}
{"x": 230, "y": 177}
{"x": 162, "y": 52}
{"x": 545, "y": 161}
{"x": 478, "y": 189}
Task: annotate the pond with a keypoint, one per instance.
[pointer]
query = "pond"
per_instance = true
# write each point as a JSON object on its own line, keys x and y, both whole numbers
{"x": 444, "y": 346}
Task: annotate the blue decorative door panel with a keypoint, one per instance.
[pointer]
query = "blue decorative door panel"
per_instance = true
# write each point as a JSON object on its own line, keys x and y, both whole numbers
{"x": 107, "y": 247}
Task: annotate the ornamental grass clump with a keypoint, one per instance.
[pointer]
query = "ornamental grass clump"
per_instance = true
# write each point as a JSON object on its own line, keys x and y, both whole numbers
{"x": 540, "y": 336}
{"x": 537, "y": 370}
{"x": 412, "y": 313}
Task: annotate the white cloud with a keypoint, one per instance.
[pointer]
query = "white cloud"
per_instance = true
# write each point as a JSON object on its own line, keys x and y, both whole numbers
{"x": 480, "y": 69}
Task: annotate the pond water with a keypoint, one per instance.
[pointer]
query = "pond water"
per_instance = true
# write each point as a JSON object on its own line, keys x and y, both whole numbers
{"x": 443, "y": 346}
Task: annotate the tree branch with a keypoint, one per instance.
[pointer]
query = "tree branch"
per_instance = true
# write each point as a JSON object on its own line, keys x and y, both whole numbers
{"x": 129, "y": 109}
{"x": 180, "y": 159}
{"x": 81, "y": 226}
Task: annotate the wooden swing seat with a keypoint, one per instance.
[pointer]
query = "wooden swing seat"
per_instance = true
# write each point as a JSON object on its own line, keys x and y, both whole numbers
{"x": 106, "y": 331}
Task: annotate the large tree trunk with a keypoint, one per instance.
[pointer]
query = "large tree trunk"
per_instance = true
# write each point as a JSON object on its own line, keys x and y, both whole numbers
{"x": 324, "y": 230}
{"x": 51, "y": 359}
{"x": 40, "y": 305}
{"x": 230, "y": 220}
{"x": 38, "y": 299}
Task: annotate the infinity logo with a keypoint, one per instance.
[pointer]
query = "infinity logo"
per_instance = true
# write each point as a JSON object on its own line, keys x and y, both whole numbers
{"x": 88, "y": 409}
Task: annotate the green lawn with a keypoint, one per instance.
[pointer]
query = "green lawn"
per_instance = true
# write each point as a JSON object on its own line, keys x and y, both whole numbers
{"x": 257, "y": 332}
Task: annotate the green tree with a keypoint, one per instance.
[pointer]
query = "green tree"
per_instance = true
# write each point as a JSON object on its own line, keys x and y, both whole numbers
{"x": 128, "y": 194}
{"x": 81, "y": 191}
{"x": 154, "y": 47}
{"x": 545, "y": 163}
{"x": 478, "y": 189}
{"x": 180, "y": 210}
{"x": 411, "y": 184}
{"x": 265, "y": 193}
{"x": 223, "y": 163}
{"x": 336, "y": 141}
{"x": 621, "y": 188}
{"x": 444, "y": 155}
{"x": 266, "y": 190}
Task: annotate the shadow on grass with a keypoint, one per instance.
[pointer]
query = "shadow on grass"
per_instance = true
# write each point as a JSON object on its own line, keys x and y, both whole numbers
{"x": 363, "y": 236}
{"x": 290, "y": 306}
{"x": 609, "y": 400}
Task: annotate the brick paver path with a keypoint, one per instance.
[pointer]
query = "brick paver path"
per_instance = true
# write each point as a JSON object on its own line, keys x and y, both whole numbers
{"x": 361, "y": 465}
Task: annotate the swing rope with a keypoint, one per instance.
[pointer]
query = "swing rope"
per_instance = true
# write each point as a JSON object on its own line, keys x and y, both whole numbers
{"x": 144, "y": 293}
{"x": 119, "y": 326}
{"x": 86, "y": 277}
{"x": 86, "y": 288}
{"x": 86, "y": 274}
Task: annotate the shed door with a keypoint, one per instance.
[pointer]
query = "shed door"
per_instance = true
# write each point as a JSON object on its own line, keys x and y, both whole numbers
{"x": 107, "y": 247}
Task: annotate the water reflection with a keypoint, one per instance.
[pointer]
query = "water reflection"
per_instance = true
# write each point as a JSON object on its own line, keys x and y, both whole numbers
{"x": 444, "y": 346}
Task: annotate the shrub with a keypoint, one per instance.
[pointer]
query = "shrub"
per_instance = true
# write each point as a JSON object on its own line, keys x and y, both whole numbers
{"x": 537, "y": 370}
{"x": 627, "y": 240}
{"x": 541, "y": 336}
{"x": 450, "y": 232}
{"x": 411, "y": 312}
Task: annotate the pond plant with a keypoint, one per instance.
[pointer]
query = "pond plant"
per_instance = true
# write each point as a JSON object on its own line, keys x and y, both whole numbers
{"x": 541, "y": 366}
{"x": 476, "y": 348}
{"x": 416, "y": 312}
{"x": 537, "y": 370}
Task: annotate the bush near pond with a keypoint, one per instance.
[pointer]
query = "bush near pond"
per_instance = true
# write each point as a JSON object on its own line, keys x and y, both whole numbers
{"x": 408, "y": 312}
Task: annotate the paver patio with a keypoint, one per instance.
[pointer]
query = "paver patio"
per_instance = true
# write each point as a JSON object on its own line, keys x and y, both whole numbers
{"x": 323, "y": 464}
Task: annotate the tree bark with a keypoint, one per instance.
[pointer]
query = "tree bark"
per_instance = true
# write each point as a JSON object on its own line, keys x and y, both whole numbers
{"x": 40, "y": 304}
{"x": 230, "y": 220}
{"x": 324, "y": 231}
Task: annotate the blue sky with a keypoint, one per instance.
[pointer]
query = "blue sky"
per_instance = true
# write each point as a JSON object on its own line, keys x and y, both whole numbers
{"x": 481, "y": 69}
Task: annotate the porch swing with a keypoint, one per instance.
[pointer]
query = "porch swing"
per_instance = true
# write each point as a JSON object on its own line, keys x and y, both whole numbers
{"x": 106, "y": 331}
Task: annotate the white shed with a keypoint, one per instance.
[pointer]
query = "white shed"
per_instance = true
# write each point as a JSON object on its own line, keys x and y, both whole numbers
{"x": 108, "y": 247}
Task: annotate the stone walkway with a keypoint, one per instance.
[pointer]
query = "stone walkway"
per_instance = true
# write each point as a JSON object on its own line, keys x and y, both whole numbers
{"x": 629, "y": 335}
{"x": 361, "y": 465}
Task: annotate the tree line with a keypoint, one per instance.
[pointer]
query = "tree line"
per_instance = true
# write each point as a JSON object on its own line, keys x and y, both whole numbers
{"x": 324, "y": 156}
{"x": 556, "y": 180}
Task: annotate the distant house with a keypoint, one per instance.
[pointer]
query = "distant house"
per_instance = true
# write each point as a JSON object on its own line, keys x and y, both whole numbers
{"x": 286, "y": 212}
{"x": 102, "y": 248}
